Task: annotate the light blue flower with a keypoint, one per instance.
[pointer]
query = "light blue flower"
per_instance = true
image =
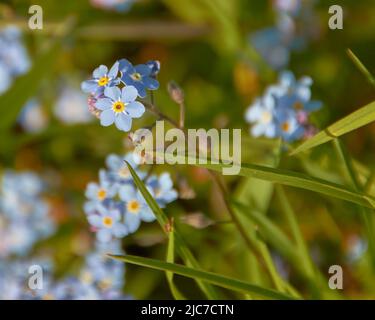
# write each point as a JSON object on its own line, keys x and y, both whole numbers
{"x": 135, "y": 207}
{"x": 262, "y": 115}
{"x": 107, "y": 223}
{"x": 273, "y": 46}
{"x": 119, "y": 107}
{"x": 118, "y": 170}
{"x": 162, "y": 189}
{"x": 12, "y": 52}
{"x": 284, "y": 108}
{"x": 32, "y": 117}
{"x": 70, "y": 107}
{"x": 292, "y": 7}
{"x": 102, "y": 78}
{"x": 288, "y": 127}
{"x": 140, "y": 76}
{"x": 100, "y": 192}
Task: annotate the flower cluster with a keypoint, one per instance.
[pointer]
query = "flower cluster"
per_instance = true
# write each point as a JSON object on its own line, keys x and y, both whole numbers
{"x": 14, "y": 60}
{"x": 115, "y": 208}
{"x": 284, "y": 109}
{"x": 114, "y": 92}
{"x": 99, "y": 279}
{"x": 24, "y": 215}
{"x": 296, "y": 24}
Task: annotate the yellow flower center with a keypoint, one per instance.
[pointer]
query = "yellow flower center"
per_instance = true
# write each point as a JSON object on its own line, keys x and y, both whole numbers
{"x": 103, "y": 81}
{"x": 136, "y": 76}
{"x": 285, "y": 126}
{"x": 87, "y": 277}
{"x": 105, "y": 283}
{"x": 298, "y": 106}
{"x": 266, "y": 117}
{"x": 102, "y": 194}
{"x": 157, "y": 192}
{"x": 118, "y": 107}
{"x": 107, "y": 222}
{"x": 133, "y": 206}
{"x": 124, "y": 172}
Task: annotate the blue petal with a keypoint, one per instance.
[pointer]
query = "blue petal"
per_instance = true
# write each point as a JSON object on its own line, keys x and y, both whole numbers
{"x": 151, "y": 83}
{"x": 129, "y": 94}
{"x": 127, "y": 193}
{"x": 141, "y": 89}
{"x": 107, "y": 117}
{"x": 123, "y": 122}
{"x": 119, "y": 230}
{"x": 103, "y": 104}
{"x": 132, "y": 221}
{"x": 146, "y": 214}
{"x": 124, "y": 65}
{"x": 135, "y": 109}
{"x": 104, "y": 235}
{"x": 89, "y": 86}
{"x": 114, "y": 70}
{"x": 114, "y": 162}
{"x": 112, "y": 92}
{"x": 95, "y": 220}
{"x": 143, "y": 70}
{"x": 99, "y": 72}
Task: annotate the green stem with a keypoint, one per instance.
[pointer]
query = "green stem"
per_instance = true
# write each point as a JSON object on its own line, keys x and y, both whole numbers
{"x": 366, "y": 213}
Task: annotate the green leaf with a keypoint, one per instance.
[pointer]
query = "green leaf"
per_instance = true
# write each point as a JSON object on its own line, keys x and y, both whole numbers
{"x": 361, "y": 67}
{"x": 355, "y": 120}
{"x": 181, "y": 247}
{"x": 289, "y": 178}
{"x": 210, "y": 277}
{"x": 170, "y": 259}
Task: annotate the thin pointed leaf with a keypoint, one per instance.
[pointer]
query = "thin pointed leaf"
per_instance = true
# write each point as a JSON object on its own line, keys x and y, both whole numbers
{"x": 210, "y": 277}
{"x": 289, "y": 178}
{"x": 181, "y": 247}
{"x": 170, "y": 259}
{"x": 361, "y": 67}
{"x": 355, "y": 120}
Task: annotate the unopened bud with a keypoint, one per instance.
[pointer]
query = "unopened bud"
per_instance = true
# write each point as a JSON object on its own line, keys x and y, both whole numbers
{"x": 175, "y": 92}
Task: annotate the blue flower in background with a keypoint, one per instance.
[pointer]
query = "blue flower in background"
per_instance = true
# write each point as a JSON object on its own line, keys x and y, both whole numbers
{"x": 14, "y": 59}
{"x": 288, "y": 127}
{"x": 140, "y": 76}
{"x": 136, "y": 209}
{"x": 273, "y": 46}
{"x": 262, "y": 115}
{"x": 24, "y": 215}
{"x": 70, "y": 107}
{"x": 102, "y": 78}
{"x": 283, "y": 110}
{"x": 118, "y": 170}
{"x": 117, "y": 5}
{"x": 119, "y": 107}
{"x": 162, "y": 189}
{"x": 32, "y": 117}
{"x": 100, "y": 192}
{"x": 12, "y": 51}
{"x": 107, "y": 223}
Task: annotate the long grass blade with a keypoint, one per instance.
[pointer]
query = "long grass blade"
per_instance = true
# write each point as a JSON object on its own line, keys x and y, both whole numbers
{"x": 210, "y": 277}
